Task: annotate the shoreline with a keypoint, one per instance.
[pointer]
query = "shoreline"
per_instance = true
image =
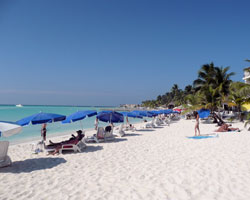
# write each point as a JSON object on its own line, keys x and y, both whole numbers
{"x": 87, "y": 131}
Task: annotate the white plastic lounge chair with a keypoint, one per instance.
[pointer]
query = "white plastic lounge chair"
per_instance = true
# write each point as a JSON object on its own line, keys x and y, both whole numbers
{"x": 175, "y": 117}
{"x": 4, "y": 158}
{"x": 101, "y": 136}
{"x": 151, "y": 124}
{"x": 108, "y": 135}
{"x": 79, "y": 147}
{"x": 120, "y": 131}
{"x": 95, "y": 138}
{"x": 158, "y": 122}
{"x": 166, "y": 121}
{"x": 143, "y": 125}
{"x": 129, "y": 128}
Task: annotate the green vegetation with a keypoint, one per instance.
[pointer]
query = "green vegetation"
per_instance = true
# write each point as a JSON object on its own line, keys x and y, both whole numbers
{"x": 211, "y": 89}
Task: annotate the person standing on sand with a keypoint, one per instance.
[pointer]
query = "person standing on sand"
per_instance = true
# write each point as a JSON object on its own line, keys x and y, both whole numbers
{"x": 197, "y": 117}
{"x": 96, "y": 123}
{"x": 43, "y": 132}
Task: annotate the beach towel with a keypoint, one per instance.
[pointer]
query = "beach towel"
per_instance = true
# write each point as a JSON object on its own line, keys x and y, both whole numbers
{"x": 203, "y": 136}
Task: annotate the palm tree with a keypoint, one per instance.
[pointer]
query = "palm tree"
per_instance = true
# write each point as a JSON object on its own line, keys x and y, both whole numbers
{"x": 239, "y": 94}
{"x": 222, "y": 79}
{"x": 175, "y": 89}
{"x": 213, "y": 81}
{"x": 188, "y": 90}
{"x": 210, "y": 98}
{"x": 205, "y": 76}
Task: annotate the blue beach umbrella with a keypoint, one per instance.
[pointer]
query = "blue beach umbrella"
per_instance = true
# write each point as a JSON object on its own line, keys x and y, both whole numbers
{"x": 203, "y": 113}
{"x": 131, "y": 114}
{"x": 168, "y": 111}
{"x": 110, "y": 116}
{"x": 9, "y": 128}
{"x": 79, "y": 115}
{"x": 156, "y": 112}
{"x": 41, "y": 118}
{"x": 144, "y": 113}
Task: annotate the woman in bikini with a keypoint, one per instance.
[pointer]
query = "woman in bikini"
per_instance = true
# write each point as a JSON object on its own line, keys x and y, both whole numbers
{"x": 197, "y": 117}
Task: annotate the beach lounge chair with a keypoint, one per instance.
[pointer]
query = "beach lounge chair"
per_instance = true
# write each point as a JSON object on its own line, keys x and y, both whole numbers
{"x": 143, "y": 125}
{"x": 151, "y": 124}
{"x": 4, "y": 158}
{"x": 120, "y": 131}
{"x": 96, "y": 137}
{"x": 175, "y": 117}
{"x": 108, "y": 135}
{"x": 129, "y": 128}
{"x": 158, "y": 122}
{"x": 101, "y": 136}
{"x": 166, "y": 121}
{"x": 75, "y": 144}
{"x": 79, "y": 147}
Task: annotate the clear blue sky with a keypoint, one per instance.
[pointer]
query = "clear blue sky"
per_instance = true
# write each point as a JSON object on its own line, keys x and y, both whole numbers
{"x": 102, "y": 52}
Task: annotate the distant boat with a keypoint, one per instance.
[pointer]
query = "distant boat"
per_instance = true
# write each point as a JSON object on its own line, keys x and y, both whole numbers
{"x": 19, "y": 105}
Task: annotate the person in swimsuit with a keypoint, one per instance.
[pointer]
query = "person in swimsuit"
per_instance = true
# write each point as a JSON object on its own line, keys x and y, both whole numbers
{"x": 73, "y": 140}
{"x": 225, "y": 128}
{"x": 96, "y": 123}
{"x": 43, "y": 132}
{"x": 196, "y": 128}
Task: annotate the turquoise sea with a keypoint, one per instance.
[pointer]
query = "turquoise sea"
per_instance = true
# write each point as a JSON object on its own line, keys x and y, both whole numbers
{"x": 32, "y": 132}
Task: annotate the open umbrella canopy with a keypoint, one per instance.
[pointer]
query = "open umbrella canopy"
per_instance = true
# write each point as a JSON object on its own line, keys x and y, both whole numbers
{"x": 203, "y": 113}
{"x": 79, "y": 115}
{"x": 110, "y": 116}
{"x": 147, "y": 113}
{"x": 9, "y": 128}
{"x": 41, "y": 118}
{"x": 158, "y": 112}
{"x": 168, "y": 111}
{"x": 131, "y": 114}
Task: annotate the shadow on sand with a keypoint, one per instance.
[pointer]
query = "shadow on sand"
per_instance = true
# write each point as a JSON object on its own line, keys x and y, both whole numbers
{"x": 116, "y": 140}
{"x": 92, "y": 148}
{"x": 132, "y": 134}
{"x": 30, "y": 165}
{"x": 146, "y": 130}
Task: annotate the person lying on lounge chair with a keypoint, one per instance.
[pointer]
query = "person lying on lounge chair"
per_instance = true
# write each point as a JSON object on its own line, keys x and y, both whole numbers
{"x": 225, "y": 128}
{"x": 73, "y": 140}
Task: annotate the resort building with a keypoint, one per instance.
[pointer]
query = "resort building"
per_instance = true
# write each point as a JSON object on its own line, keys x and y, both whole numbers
{"x": 246, "y": 77}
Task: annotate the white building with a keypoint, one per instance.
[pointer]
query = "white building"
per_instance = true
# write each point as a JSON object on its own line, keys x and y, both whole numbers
{"x": 246, "y": 77}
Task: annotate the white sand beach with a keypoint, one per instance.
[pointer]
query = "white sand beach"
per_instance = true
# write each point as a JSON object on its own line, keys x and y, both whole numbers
{"x": 161, "y": 163}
